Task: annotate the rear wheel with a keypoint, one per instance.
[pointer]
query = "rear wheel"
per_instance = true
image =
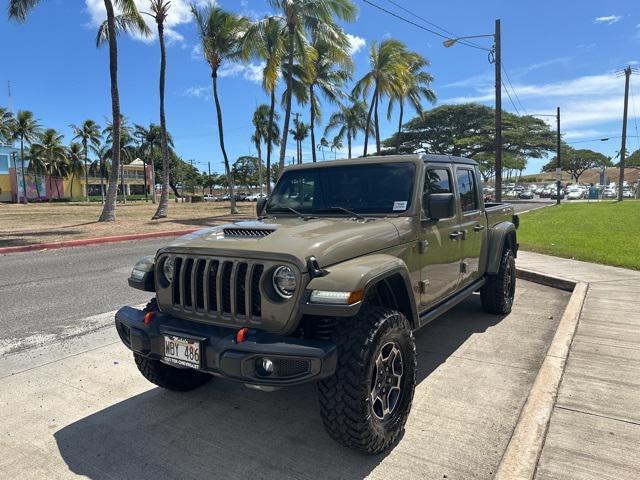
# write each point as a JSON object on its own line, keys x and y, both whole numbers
{"x": 365, "y": 404}
{"x": 498, "y": 291}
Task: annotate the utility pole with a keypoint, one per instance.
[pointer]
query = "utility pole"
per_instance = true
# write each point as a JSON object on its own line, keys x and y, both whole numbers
{"x": 558, "y": 167}
{"x": 623, "y": 152}
{"x": 497, "y": 62}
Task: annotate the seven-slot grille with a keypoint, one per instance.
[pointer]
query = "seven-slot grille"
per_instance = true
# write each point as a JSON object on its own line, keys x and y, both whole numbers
{"x": 217, "y": 286}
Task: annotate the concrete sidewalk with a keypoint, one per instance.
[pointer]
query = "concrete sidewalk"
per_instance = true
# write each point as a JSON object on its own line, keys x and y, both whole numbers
{"x": 594, "y": 431}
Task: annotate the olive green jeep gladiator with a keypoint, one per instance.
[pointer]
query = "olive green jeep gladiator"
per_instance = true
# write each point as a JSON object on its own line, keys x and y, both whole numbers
{"x": 345, "y": 260}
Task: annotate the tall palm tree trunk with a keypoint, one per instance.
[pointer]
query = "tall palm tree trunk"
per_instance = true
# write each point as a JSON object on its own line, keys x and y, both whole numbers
{"x": 86, "y": 171}
{"x": 24, "y": 179}
{"x": 377, "y": 124}
{"x": 35, "y": 175}
{"x": 272, "y": 109}
{"x": 366, "y": 130}
{"x": 399, "y": 126}
{"x": 73, "y": 177}
{"x": 312, "y": 123}
{"x": 349, "y": 143}
{"x": 109, "y": 208}
{"x": 287, "y": 113}
{"x": 260, "y": 180}
{"x": 102, "y": 180}
{"x": 163, "y": 206}
{"x": 232, "y": 195}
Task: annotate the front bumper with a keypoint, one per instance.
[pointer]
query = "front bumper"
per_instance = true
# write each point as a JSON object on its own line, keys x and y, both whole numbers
{"x": 296, "y": 360}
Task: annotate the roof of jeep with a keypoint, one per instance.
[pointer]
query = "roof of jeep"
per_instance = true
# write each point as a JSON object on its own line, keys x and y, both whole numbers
{"x": 427, "y": 158}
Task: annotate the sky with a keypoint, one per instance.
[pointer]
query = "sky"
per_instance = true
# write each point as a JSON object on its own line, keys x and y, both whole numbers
{"x": 554, "y": 55}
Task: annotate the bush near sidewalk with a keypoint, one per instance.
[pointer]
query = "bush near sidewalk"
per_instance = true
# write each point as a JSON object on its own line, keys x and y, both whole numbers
{"x": 599, "y": 232}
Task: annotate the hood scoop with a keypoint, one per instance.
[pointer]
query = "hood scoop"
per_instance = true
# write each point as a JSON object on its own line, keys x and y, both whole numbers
{"x": 247, "y": 232}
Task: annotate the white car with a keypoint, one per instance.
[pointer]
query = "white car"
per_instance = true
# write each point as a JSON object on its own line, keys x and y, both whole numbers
{"x": 575, "y": 194}
{"x": 209, "y": 198}
{"x": 255, "y": 197}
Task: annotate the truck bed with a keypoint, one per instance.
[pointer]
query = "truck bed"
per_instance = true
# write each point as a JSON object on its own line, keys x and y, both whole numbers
{"x": 498, "y": 212}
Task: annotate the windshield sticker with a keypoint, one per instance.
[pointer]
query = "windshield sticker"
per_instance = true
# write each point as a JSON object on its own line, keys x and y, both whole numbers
{"x": 399, "y": 206}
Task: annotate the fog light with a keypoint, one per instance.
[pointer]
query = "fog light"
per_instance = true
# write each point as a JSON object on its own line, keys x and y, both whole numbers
{"x": 265, "y": 366}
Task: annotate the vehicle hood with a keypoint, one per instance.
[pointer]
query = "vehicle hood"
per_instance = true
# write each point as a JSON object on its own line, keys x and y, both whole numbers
{"x": 330, "y": 240}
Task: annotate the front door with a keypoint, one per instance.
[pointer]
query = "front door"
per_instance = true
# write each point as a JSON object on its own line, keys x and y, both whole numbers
{"x": 440, "y": 247}
{"x": 473, "y": 223}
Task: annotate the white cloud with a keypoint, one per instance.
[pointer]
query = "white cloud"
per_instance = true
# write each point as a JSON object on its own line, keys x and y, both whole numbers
{"x": 179, "y": 14}
{"x": 202, "y": 92}
{"x": 355, "y": 43}
{"x": 608, "y": 20}
{"x": 249, "y": 71}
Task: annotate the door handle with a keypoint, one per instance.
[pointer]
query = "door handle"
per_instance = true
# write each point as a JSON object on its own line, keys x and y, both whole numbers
{"x": 478, "y": 227}
{"x": 455, "y": 235}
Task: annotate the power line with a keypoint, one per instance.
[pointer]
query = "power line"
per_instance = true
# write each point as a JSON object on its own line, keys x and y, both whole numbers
{"x": 504, "y": 70}
{"x": 451, "y": 34}
{"x": 422, "y": 27}
{"x": 510, "y": 99}
{"x": 635, "y": 117}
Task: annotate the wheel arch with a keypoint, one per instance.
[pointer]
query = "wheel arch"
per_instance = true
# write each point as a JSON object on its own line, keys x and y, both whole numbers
{"x": 500, "y": 236}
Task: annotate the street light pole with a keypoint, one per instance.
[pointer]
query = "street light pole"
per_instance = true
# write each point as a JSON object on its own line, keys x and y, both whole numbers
{"x": 558, "y": 167}
{"x": 498, "y": 115}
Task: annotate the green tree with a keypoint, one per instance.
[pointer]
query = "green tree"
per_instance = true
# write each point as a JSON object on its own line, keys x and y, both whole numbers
{"x": 315, "y": 16}
{"x": 25, "y": 129}
{"x": 246, "y": 171}
{"x": 266, "y": 39}
{"x": 221, "y": 35}
{"x": 336, "y": 144}
{"x": 89, "y": 134}
{"x": 388, "y": 68}
{"x": 159, "y": 11}
{"x": 6, "y": 125}
{"x": 53, "y": 154}
{"x": 349, "y": 120}
{"x": 415, "y": 88}
{"x": 101, "y": 167}
{"x": 576, "y": 161}
{"x": 467, "y": 130}
{"x": 299, "y": 133}
{"x": 37, "y": 167}
{"x": 330, "y": 67}
{"x": 75, "y": 165}
{"x": 633, "y": 160}
{"x": 265, "y": 130}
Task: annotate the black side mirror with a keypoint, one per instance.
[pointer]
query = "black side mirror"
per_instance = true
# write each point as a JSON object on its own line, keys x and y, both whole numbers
{"x": 440, "y": 205}
{"x": 260, "y": 206}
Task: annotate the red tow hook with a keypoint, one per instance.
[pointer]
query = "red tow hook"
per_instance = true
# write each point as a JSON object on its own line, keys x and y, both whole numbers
{"x": 148, "y": 318}
{"x": 242, "y": 335}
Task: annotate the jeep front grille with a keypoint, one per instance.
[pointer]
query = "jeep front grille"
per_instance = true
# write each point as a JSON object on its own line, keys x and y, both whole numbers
{"x": 212, "y": 286}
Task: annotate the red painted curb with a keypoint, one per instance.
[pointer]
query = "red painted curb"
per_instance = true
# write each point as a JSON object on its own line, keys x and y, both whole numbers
{"x": 95, "y": 241}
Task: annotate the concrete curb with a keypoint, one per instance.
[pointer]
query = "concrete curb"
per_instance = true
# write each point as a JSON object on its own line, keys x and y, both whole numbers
{"x": 95, "y": 241}
{"x": 521, "y": 456}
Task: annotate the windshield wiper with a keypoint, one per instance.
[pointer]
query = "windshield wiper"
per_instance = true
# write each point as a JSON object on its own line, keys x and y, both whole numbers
{"x": 296, "y": 212}
{"x": 350, "y": 212}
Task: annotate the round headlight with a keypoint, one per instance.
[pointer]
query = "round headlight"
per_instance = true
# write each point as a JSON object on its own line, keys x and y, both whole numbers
{"x": 167, "y": 268}
{"x": 284, "y": 281}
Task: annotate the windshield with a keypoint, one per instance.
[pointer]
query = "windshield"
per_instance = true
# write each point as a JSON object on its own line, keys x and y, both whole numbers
{"x": 376, "y": 188}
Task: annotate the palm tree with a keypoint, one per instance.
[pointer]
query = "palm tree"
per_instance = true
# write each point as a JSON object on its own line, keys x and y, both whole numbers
{"x": 6, "y": 125}
{"x": 221, "y": 36}
{"x": 89, "y": 134}
{"x": 101, "y": 166}
{"x": 26, "y": 129}
{"x": 388, "y": 66}
{"x": 126, "y": 154}
{"x": 37, "y": 166}
{"x": 330, "y": 68}
{"x": 415, "y": 89}
{"x": 159, "y": 11}
{"x": 266, "y": 39}
{"x": 53, "y": 154}
{"x": 75, "y": 164}
{"x": 349, "y": 120}
{"x": 336, "y": 145}
{"x": 299, "y": 133}
{"x": 262, "y": 120}
{"x": 301, "y": 16}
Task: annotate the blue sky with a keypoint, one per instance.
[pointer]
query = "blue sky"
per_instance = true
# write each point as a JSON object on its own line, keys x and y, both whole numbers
{"x": 555, "y": 55}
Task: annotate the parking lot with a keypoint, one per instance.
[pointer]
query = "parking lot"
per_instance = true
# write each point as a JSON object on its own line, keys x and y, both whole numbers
{"x": 90, "y": 413}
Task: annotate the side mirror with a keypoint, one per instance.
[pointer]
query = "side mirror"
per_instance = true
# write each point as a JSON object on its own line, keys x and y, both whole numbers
{"x": 440, "y": 205}
{"x": 260, "y": 204}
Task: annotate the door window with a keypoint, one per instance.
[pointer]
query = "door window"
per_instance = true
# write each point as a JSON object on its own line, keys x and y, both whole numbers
{"x": 467, "y": 189}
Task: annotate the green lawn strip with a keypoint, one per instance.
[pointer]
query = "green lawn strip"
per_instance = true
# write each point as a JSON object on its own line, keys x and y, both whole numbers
{"x": 604, "y": 232}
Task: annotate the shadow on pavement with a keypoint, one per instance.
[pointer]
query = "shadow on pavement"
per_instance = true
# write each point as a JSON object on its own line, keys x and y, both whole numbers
{"x": 225, "y": 430}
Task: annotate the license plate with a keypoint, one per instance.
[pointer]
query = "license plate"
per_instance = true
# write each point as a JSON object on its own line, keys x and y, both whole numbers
{"x": 182, "y": 351}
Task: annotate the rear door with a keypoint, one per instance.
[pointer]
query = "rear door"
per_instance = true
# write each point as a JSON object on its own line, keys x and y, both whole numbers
{"x": 440, "y": 248}
{"x": 473, "y": 223}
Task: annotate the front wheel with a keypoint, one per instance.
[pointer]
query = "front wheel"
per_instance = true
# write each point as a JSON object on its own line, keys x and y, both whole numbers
{"x": 365, "y": 404}
{"x": 498, "y": 291}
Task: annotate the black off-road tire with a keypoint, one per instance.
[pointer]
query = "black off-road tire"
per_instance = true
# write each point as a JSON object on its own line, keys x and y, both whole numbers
{"x": 345, "y": 401}
{"x": 166, "y": 376}
{"x": 498, "y": 291}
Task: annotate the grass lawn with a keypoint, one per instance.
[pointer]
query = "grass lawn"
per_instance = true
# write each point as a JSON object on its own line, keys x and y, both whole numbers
{"x": 55, "y": 222}
{"x": 604, "y": 232}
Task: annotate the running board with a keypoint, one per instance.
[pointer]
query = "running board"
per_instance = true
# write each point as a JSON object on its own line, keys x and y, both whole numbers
{"x": 449, "y": 303}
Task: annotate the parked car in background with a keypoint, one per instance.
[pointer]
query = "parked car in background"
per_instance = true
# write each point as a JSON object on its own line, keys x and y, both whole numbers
{"x": 526, "y": 195}
{"x": 207, "y": 197}
{"x": 255, "y": 197}
{"x": 610, "y": 193}
{"x": 555, "y": 195}
{"x": 575, "y": 194}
